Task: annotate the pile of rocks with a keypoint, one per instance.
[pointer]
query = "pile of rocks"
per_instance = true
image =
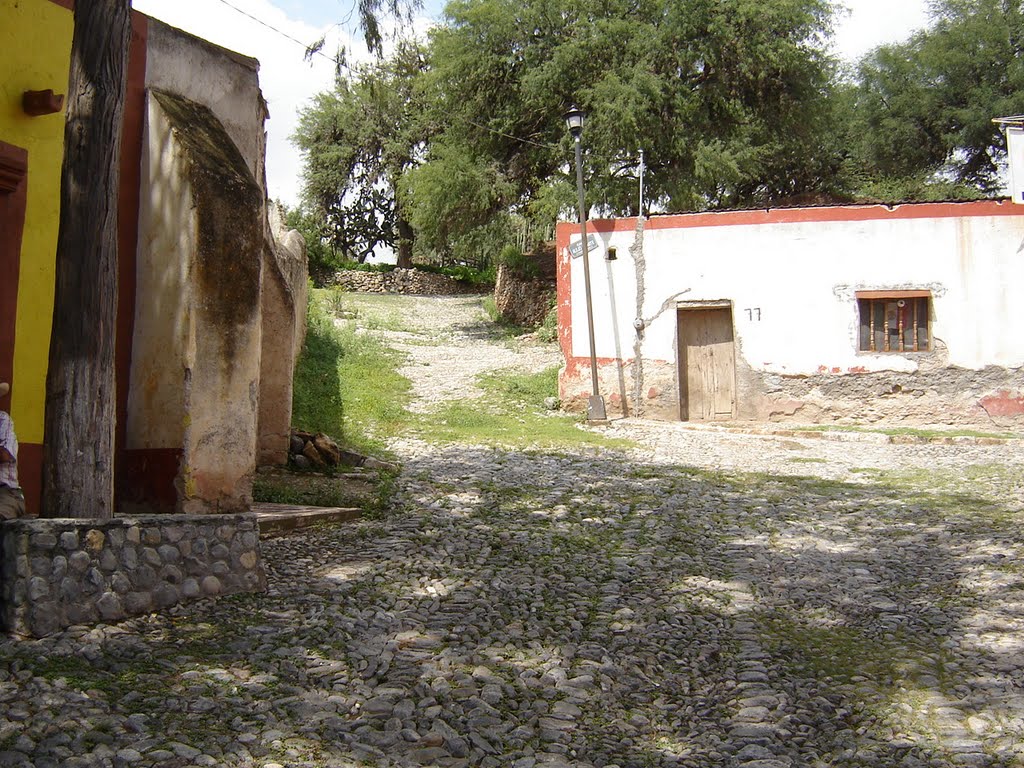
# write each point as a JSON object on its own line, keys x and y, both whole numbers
{"x": 318, "y": 451}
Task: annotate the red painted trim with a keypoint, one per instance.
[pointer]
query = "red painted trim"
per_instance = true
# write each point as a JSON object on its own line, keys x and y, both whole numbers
{"x": 809, "y": 215}
{"x": 13, "y": 199}
{"x": 575, "y": 366}
{"x": 30, "y": 475}
{"x": 1004, "y": 403}
{"x": 69, "y": 4}
{"x": 128, "y": 235}
{"x": 148, "y": 479}
{"x": 563, "y": 292}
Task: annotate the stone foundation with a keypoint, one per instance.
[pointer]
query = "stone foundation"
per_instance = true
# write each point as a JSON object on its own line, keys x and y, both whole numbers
{"x": 56, "y": 573}
{"x": 404, "y": 281}
{"x": 992, "y": 398}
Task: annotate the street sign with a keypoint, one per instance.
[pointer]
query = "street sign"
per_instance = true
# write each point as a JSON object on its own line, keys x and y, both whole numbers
{"x": 576, "y": 248}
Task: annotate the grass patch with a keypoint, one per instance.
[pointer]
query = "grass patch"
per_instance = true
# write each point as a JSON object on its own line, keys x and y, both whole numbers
{"x": 376, "y": 312}
{"x": 347, "y": 384}
{"x": 503, "y": 329}
{"x": 927, "y": 434}
{"x": 801, "y": 460}
{"x": 511, "y": 413}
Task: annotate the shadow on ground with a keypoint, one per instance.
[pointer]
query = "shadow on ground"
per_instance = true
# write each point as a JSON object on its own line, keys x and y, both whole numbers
{"x": 520, "y": 609}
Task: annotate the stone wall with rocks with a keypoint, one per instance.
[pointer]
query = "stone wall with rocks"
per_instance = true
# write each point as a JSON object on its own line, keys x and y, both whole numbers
{"x": 406, "y": 281}
{"x": 57, "y": 573}
{"x": 523, "y": 301}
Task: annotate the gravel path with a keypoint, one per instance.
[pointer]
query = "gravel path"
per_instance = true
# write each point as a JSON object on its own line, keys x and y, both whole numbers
{"x": 704, "y": 599}
{"x": 449, "y": 342}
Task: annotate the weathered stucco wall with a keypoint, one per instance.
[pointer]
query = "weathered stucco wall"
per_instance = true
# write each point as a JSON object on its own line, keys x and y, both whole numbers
{"x": 790, "y": 279}
{"x": 195, "y": 373}
{"x": 194, "y": 392}
{"x": 224, "y": 81}
{"x": 283, "y": 300}
{"x": 164, "y": 323}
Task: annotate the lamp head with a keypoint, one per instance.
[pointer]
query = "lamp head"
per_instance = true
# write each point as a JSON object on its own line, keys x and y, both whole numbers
{"x": 574, "y": 121}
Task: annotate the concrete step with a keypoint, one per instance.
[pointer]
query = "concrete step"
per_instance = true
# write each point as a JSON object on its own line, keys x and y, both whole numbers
{"x": 276, "y": 519}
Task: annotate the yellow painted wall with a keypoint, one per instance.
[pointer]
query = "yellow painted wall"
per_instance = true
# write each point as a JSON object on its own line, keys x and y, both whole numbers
{"x": 35, "y": 48}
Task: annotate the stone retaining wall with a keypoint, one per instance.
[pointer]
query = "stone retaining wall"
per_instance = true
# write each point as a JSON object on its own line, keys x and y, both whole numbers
{"x": 523, "y": 301}
{"x": 405, "y": 281}
{"x": 56, "y": 573}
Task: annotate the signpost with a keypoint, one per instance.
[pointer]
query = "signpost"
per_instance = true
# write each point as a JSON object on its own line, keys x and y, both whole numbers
{"x": 576, "y": 247}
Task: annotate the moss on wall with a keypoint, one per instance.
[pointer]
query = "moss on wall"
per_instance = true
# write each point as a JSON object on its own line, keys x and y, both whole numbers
{"x": 229, "y": 217}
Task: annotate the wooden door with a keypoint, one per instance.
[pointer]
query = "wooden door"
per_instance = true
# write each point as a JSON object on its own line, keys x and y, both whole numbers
{"x": 13, "y": 192}
{"x": 707, "y": 364}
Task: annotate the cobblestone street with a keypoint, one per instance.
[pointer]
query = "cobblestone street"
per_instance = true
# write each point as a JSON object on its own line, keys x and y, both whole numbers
{"x": 703, "y": 599}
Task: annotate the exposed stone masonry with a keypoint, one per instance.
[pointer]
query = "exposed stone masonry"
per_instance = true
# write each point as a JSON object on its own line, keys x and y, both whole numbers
{"x": 57, "y": 573}
{"x": 523, "y": 301}
{"x": 405, "y": 281}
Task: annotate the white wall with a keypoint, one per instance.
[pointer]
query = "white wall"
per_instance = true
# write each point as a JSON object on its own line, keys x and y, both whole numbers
{"x": 164, "y": 325}
{"x": 222, "y": 80}
{"x": 798, "y": 279}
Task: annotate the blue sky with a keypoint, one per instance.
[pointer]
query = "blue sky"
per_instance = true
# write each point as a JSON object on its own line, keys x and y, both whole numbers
{"x": 289, "y": 82}
{"x": 323, "y": 13}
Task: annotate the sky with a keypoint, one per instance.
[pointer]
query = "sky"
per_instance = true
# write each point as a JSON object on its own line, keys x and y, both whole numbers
{"x": 277, "y": 31}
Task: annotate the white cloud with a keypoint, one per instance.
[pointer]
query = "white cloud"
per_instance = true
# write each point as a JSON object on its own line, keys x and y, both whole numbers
{"x": 287, "y": 80}
{"x": 866, "y": 24}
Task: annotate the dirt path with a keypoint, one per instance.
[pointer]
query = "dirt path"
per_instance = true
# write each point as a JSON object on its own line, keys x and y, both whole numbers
{"x": 450, "y": 342}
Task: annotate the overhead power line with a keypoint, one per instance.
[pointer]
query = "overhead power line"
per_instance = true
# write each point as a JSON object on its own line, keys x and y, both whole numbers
{"x": 336, "y": 61}
{"x": 510, "y": 136}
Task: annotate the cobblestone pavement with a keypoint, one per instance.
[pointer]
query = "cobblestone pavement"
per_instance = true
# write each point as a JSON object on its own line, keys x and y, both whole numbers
{"x": 705, "y": 599}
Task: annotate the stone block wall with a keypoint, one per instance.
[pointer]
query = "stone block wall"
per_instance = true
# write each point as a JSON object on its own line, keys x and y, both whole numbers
{"x": 56, "y": 573}
{"x": 404, "y": 281}
{"x": 523, "y": 301}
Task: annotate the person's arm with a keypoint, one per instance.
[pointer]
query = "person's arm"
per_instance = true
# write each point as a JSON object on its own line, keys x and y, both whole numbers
{"x": 5, "y": 456}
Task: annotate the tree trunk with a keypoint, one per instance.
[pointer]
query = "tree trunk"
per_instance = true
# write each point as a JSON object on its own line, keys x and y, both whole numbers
{"x": 78, "y": 478}
{"x": 406, "y": 235}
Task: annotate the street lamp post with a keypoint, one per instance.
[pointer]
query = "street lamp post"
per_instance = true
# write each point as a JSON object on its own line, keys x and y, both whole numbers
{"x": 595, "y": 405}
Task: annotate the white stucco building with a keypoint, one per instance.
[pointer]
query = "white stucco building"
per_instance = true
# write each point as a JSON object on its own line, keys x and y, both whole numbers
{"x": 910, "y": 313}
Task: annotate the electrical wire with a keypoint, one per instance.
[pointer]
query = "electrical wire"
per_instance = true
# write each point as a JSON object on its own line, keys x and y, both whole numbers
{"x": 337, "y": 62}
{"x": 342, "y": 64}
{"x": 510, "y": 136}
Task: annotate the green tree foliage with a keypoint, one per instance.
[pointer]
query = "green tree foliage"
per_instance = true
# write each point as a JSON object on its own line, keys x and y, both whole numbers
{"x": 726, "y": 97}
{"x": 357, "y": 141}
{"x": 922, "y": 113}
{"x": 323, "y": 260}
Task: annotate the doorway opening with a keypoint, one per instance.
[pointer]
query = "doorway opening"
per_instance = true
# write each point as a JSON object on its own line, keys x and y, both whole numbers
{"x": 706, "y": 362}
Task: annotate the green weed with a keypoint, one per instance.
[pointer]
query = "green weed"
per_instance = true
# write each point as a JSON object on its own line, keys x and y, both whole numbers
{"x": 347, "y": 384}
{"x": 510, "y": 413}
{"x": 926, "y": 434}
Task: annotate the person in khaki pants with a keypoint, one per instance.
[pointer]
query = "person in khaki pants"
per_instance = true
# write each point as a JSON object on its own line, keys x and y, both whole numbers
{"x": 12, "y": 500}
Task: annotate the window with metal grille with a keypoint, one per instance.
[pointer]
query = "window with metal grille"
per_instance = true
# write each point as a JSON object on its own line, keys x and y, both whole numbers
{"x": 894, "y": 321}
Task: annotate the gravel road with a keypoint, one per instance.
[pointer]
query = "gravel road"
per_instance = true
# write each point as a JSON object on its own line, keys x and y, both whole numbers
{"x": 702, "y": 599}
